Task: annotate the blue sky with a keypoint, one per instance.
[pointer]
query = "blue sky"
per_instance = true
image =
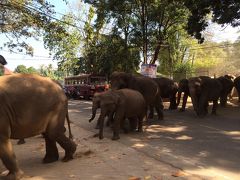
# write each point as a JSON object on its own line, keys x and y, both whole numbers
{"x": 41, "y": 55}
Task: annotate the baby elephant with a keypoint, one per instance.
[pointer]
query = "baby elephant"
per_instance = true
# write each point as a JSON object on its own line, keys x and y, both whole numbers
{"x": 123, "y": 103}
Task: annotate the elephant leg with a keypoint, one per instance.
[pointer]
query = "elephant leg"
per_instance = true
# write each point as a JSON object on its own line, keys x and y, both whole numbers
{"x": 238, "y": 92}
{"x": 117, "y": 124}
{"x": 133, "y": 122}
{"x": 140, "y": 123}
{"x": 97, "y": 125}
{"x": 184, "y": 102}
{"x": 173, "y": 104}
{"x": 101, "y": 124}
{"x": 214, "y": 108}
{"x": 202, "y": 107}
{"x": 51, "y": 150}
{"x": 68, "y": 145}
{"x": 159, "y": 108}
{"x": 223, "y": 100}
{"x": 110, "y": 119}
{"x": 151, "y": 112}
{"x": 21, "y": 141}
{"x": 9, "y": 160}
{"x": 125, "y": 125}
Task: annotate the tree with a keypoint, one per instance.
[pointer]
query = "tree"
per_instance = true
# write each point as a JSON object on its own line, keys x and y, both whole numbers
{"x": 222, "y": 12}
{"x": 50, "y": 72}
{"x": 24, "y": 19}
{"x": 144, "y": 24}
{"x": 21, "y": 69}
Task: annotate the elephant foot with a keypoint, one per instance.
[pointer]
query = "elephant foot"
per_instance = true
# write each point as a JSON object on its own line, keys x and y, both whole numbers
{"x": 115, "y": 138}
{"x": 97, "y": 126}
{"x": 69, "y": 154}
{"x": 13, "y": 176}
{"x": 100, "y": 136}
{"x": 21, "y": 141}
{"x": 214, "y": 113}
{"x": 96, "y": 135}
{"x": 181, "y": 109}
{"x": 150, "y": 116}
{"x": 49, "y": 159}
{"x": 160, "y": 118}
{"x": 172, "y": 107}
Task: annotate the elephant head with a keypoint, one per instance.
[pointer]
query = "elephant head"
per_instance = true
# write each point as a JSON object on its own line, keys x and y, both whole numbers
{"x": 120, "y": 80}
{"x": 194, "y": 85}
{"x": 198, "y": 85}
{"x": 108, "y": 102}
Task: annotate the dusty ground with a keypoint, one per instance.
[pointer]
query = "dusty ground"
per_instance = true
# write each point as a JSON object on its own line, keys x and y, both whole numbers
{"x": 180, "y": 147}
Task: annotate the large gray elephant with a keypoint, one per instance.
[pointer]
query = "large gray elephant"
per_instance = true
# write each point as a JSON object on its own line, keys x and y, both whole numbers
{"x": 145, "y": 85}
{"x": 123, "y": 103}
{"x": 168, "y": 89}
{"x": 32, "y": 105}
{"x": 202, "y": 90}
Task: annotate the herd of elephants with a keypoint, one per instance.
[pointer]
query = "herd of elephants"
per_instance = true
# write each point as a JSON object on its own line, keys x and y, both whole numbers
{"x": 33, "y": 105}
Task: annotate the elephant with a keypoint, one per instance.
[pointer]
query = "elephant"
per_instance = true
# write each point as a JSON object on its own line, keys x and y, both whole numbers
{"x": 227, "y": 86}
{"x": 202, "y": 90}
{"x": 168, "y": 89}
{"x": 123, "y": 103}
{"x": 32, "y": 105}
{"x": 237, "y": 86}
{"x": 145, "y": 85}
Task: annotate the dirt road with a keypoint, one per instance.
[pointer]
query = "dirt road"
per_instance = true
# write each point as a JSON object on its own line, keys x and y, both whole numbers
{"x": 180, "y": 147}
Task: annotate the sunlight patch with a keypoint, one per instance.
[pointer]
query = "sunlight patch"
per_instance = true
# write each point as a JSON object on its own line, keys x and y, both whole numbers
{"x": 138, "y": 145}
{"x": 184, "y": 137}
{"x": 158, "y": 128}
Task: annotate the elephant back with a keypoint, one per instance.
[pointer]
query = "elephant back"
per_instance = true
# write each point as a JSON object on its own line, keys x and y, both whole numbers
{"x": 33, "y": 88}
{"x": 147, "y": 87}
{"x": 167, "y": 86}
{"x": 227, "y": 84}
{"x": 134, "y": 101}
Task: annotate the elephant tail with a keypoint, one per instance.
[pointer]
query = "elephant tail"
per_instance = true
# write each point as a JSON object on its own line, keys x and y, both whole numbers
{"x": 69, "y": 127}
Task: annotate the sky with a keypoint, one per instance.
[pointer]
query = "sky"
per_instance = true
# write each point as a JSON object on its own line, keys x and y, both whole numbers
{"x": 42, "y": 57}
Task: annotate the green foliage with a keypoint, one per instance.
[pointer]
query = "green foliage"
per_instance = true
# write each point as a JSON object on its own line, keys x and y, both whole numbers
{"x": 23, "y": 69}
{"x": 23, "y": 19}
{"x": 145, "y": 25}
{"x": 222, "y": 12}
{"x": 64, "y": 43}
{"x": 49, "y": 71}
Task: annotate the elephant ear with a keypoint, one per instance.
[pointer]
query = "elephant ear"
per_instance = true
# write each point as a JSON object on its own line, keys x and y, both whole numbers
{"x": 198, "y": 87}
{"x": 109, "y": 100}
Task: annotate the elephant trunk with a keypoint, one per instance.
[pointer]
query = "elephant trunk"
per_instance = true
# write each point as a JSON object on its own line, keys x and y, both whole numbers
{"x": 194, "y": 102}
{"x": 94, "y": 110}
{"x": 178, "y": 97}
